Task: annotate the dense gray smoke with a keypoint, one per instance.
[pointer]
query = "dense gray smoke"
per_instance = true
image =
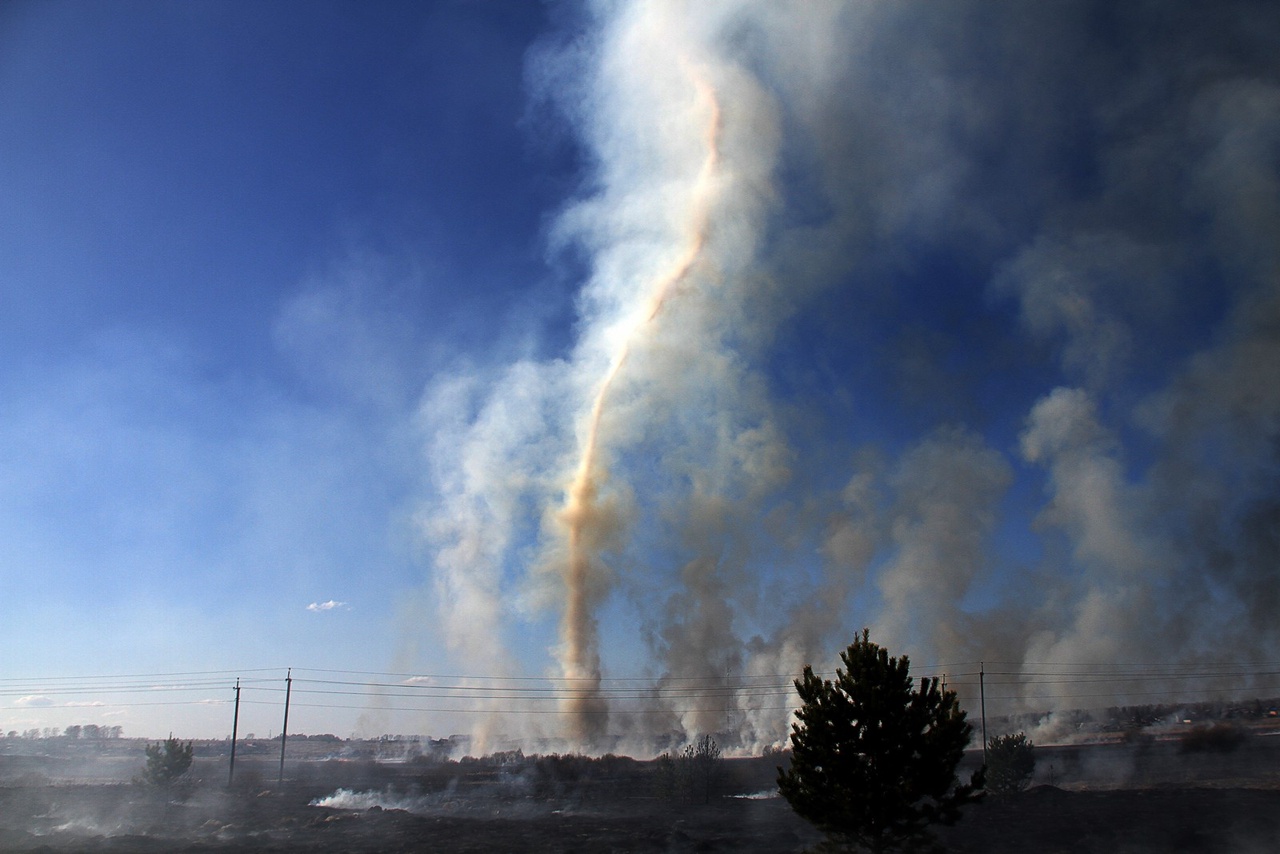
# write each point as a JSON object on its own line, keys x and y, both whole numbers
{"x": 954, "y": 321}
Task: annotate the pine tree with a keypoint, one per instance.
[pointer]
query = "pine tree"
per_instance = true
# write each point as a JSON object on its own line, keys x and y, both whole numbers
{"x": 873, "y": 761}
{"x": 1011, "y": 761}
{"x": 167, "y": 762}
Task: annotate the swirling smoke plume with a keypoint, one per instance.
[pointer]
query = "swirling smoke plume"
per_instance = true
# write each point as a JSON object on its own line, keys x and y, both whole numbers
{"x": 954, "y": 321}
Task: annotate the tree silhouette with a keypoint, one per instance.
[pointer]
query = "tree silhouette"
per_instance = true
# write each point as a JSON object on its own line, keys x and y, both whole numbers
{"x": 1011, "y": 760}
{"x": 702, "y": 758}
{"x": 873, "y": 761}
{"x": 693, "y": 773}
{"x": 167, "y": 762}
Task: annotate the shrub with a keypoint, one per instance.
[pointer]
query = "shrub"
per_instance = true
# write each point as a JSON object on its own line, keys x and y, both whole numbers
{"x": 666, "y": 777}
{"x": 1011, "y": 760}
{"x": 1219, "y": 738}
{"x": 167, "y": 762}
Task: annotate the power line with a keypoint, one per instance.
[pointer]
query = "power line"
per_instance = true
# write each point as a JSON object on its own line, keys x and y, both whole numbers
{"x": 497, "y": 711}
{"x": 229, "y": 674}
{"x": 516, "y": 691}
{"x": 125, "y": 688}
{"x": 604, "y": 680}
{"x": 635, "y": 695}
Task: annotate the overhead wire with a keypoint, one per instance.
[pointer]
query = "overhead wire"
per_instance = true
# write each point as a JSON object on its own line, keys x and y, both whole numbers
{"x": 484, "y": 694}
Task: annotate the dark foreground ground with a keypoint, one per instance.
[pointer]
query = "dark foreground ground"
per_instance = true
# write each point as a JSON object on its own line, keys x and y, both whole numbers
{"x": 1117, "y": 799}
{"x": 1044, "y": 819}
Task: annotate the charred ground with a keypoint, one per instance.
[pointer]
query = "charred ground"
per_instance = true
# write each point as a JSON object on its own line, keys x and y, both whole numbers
{"x": 1137, "y": 791}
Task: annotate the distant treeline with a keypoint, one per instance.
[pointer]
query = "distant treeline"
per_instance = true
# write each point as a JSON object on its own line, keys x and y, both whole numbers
{"x": 92, "y": 731}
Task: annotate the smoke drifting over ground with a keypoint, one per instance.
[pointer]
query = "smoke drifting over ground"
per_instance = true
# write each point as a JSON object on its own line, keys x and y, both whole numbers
{"x": 957, "y": 322}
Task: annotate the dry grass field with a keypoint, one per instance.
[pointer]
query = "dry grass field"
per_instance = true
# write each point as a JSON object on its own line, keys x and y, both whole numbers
{"x": 1148, "y": 795}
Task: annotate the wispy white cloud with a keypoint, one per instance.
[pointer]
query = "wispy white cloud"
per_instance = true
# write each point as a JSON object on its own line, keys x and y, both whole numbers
{"x": 33, "y": 700}
{"x": 331, "y": 605}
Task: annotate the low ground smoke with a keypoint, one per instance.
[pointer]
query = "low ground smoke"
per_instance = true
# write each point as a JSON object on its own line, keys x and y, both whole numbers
{"x": 902, "y": 316}
{"x": 347, "y": 799}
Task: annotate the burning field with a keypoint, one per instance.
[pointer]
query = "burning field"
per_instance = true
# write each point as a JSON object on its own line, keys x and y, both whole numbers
{"x": 757, "y": 324}
{"x": 954, "y": 323}
{"x": 1150, "y": 794}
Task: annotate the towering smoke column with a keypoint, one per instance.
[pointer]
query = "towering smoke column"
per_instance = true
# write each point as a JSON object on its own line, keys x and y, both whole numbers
{"x": 797, "y": 402}
{"x": 581, "y": 515}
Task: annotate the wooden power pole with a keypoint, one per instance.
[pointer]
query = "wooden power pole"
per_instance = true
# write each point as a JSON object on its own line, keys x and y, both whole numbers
{"x": 284, "y": 733}
{"x": 235, "y": 724}
{"x": 982, "y": 690}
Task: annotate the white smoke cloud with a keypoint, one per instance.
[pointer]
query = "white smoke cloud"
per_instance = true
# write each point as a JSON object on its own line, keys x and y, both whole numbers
{"x": 1106, "y": 612}
{"x": 765, "y": 173}
{"x": 1083, "y": 290}
{"x": 947, "y": 491}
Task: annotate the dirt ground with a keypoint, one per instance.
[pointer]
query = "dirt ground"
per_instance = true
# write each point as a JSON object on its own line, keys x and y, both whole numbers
{"x": 1119, "y": 799}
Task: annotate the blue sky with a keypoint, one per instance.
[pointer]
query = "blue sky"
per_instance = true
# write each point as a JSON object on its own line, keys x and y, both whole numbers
{"x": 952, "y": 323}
{"x": 239, "y": 241}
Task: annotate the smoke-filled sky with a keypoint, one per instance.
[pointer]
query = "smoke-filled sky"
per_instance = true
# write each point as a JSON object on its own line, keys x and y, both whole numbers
{"x": 646, "y": 351}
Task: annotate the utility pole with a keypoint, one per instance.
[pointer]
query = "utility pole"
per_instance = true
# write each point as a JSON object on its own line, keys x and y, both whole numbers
{"x": 284, "y": 733}
{"x": 728, "y": 714}
{"x": 235, "y": 725}
{"x": 982, "y": 690}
